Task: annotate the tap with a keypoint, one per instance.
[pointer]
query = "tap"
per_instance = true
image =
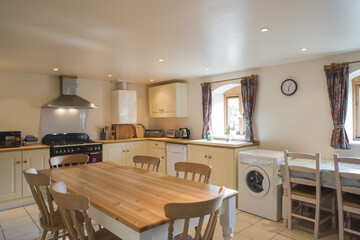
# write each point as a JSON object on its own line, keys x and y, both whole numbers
{"x": 228, "y": 134}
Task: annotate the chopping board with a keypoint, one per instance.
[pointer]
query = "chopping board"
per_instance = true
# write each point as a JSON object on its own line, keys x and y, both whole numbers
{"x": 124, "y": 131}
{"x": 140, "y": 132}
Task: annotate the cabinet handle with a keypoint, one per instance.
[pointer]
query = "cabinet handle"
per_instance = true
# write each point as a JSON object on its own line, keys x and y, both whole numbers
{"x": 156, "y": 144}
{"x": 18, "y": 162}
{"x": 209, "y": 157}
{"x": 205, "y": 156}
{"x": 127, "y": 150}
{"x": 162, "y": 157}
{"x": 159, "y": 109}
{"x": 25, "y": 161}
{"x": 123, "y": 151}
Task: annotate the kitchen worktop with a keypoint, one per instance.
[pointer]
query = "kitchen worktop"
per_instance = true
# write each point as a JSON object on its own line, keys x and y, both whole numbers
{"x": 202, "y": 142}
{"x": 22, "y": 148}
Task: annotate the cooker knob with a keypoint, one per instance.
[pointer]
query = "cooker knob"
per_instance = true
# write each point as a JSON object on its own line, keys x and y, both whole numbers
{"x": 56, "y": 151}
{"x": 90, "y": 148}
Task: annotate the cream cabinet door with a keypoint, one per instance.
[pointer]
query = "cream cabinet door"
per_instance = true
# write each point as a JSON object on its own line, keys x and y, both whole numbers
{"x": 10, "y": 175}
{"x": 114, "y": 152}
{"x": 198, "y": 154}
{"x": 159, "y": 152}
{"x": 168, "y": 100}
{"x": 221, "y": 160}
{"x": 155, "y": 101}
{"x": 38, "y": 159}
{"x": 135, "y": 148}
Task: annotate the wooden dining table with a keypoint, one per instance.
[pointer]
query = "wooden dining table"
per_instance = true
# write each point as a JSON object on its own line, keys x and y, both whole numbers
{"x": 130, "y": 201}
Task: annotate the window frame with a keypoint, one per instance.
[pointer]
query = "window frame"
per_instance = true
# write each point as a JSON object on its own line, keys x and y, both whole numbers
{"x": 356, "y": 108}
{"x": 241, "y": 109}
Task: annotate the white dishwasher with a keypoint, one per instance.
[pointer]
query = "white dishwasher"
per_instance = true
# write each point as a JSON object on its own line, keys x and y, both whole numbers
{"x": 175, "y": 153}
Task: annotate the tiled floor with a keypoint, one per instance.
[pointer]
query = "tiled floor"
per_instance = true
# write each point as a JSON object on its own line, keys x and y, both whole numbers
{"x": 23, "y": 224}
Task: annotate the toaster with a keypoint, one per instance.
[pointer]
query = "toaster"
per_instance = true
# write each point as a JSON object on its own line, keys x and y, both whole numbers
{"x": 173, "y": 133}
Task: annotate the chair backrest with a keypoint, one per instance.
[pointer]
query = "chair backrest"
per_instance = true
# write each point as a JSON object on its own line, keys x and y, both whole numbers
{"x": 295, "y": 168}
{"x": 37, "y": 181}
{"x": 69, "y": 203}
{"x": 191, "y": 210}
{"x": 190, "y": 168}
{"x": 68, "y": 160}
{"x": 147, "y": 162}
{"x": 342, "y": 173}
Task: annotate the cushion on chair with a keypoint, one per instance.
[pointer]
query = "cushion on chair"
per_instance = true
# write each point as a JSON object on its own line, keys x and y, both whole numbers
{"x": 309, "y": 191}
{"x": 351, "y": 200}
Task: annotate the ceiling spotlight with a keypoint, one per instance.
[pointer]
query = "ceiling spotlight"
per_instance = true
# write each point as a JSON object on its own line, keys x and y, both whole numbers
{"x": 151, "y": 80}
{"x": 303, "y": 49}
{"x": 264, "y": 29}
{"x": 109, "y": 75}
{"x": 160, "y": 60}
{"x": 55, "y": 69}
{"x": 207, "y": 69}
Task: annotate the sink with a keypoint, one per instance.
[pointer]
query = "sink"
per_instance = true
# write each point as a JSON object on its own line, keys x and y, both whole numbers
{"x": 220, "y": 142}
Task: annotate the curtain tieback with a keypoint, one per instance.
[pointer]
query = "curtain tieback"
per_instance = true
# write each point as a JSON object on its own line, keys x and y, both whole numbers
{"x": 339, "y": 125}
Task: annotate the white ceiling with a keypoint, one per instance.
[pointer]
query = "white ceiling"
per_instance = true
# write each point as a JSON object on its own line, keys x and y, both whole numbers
{"x": 94, "y": 38}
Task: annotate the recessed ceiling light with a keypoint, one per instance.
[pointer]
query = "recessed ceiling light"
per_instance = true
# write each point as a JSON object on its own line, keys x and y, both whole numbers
{"x": 207, "y": 69}
{"x": 303, "y": 49}
{"x": 151, "y": 80}
{"x": 55, "y": 69}
{"x": 160, "y": 60}
{"x": 109, "y": 75}
{"x": 264, "y": 29}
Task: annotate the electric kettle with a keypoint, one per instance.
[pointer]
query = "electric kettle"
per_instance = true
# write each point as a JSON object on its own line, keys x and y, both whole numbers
{"x": 184, "y": 132}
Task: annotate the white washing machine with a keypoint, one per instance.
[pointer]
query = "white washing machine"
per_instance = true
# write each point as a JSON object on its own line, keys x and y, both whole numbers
{"x": 260, "y": 189}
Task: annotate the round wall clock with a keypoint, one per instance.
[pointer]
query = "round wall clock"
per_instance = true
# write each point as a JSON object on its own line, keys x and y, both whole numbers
{"x": 288, "y": 87}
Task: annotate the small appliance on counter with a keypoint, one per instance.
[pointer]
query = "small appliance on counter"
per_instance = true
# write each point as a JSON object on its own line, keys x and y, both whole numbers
{"x": 173, "y": 133}
{"x": 30, "y": 140}
{"x": 154, "y": 133}
{"x": 184, "y": 132}
{"x": 10, "y": 139}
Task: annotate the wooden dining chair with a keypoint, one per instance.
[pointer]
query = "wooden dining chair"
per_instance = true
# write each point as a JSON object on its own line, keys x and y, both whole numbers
{"x": 189, "y": 168}
{"x": 147, "y": 162}
{"x": 348, "y": 197}
{"x": 50, "y": 219}
{"x": 307, "y": 190}
{"x": 68, "y": 160}
{"x": 69, "y": 203}
{"x": 187, "y": 211}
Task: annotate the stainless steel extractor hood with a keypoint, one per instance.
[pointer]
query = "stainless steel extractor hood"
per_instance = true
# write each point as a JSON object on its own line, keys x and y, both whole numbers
{"x": 68, "y": 97}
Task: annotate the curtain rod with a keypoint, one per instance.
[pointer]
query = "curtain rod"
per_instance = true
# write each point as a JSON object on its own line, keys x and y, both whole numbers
{"x": 338, "y": 64}
{"x": 228, "y": 80}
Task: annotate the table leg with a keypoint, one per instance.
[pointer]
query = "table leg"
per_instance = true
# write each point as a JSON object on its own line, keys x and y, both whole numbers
{"x": 227, "y": 218}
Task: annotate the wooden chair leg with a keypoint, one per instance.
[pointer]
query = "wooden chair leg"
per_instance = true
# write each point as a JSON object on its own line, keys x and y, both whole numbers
{"x": 317, "y": 220}
{"x": 341, "y": 225}
{"x": 56, "y": 235}
{"x": 289, "y": 208}
{"x": 43, "y": 237}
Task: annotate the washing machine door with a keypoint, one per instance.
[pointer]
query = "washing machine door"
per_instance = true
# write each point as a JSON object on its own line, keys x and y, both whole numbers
{"x": 256, "y": 181}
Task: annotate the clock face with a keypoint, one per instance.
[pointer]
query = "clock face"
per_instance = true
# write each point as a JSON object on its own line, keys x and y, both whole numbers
{"x": 288, "y": 87}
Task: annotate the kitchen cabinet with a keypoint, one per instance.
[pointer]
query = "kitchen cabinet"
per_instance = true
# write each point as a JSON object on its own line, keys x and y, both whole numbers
{"x": 124, "y": 108}
{"x": 157, "y": 149}
{"x": 12, "y": 182}
{"x": 124, "y": 152}
{"x": 169, "y": 100}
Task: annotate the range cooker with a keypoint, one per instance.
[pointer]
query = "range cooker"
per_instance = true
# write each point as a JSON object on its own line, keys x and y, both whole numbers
{"x": 73, "y": 143}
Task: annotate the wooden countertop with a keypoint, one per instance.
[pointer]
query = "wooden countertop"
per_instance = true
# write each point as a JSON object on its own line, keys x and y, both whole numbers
{"x": 22, "y": 148}
{"x": 133, "y": 196}
{"x": 236, "y": 144}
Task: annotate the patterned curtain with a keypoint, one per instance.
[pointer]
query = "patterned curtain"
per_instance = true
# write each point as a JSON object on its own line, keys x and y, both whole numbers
{"x": 207, "y": 106}
{"x": 337, "y": 77}
{"x": 248, "y": 91}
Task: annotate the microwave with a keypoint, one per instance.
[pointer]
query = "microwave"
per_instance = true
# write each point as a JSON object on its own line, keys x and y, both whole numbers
{"x": 10, "y": 139}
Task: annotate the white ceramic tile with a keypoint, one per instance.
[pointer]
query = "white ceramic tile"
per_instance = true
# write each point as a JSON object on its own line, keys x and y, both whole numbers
{"x": 240, "y": 224}
{"x": 12, "y": 213}
{"x": 254, "y": 232}
{"x": 281, "y": 237}
{"x": 14, "y": 222}
{"x": 20, "y": 230}
{"x": 249, "y": 218}
{"x": 32, "y": 208}
{"x": 28, "y": 236}
{"x": 271, "y": 226}
{"x": 1, "y": 235}
{"x": 35, "y": 216}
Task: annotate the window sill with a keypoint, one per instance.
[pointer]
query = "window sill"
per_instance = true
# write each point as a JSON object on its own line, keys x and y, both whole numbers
{"x": 232, "y": 137}
{"x": 354, "y": 142}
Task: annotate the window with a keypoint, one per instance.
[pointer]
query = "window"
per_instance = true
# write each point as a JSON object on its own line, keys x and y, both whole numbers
{"x": 356, "y": 107}
{"x": 234, "y": 111}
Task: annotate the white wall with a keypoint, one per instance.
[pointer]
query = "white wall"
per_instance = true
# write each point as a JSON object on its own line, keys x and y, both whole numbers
{"x": 301, "y": 122}
{"x": 23, "y": 94}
